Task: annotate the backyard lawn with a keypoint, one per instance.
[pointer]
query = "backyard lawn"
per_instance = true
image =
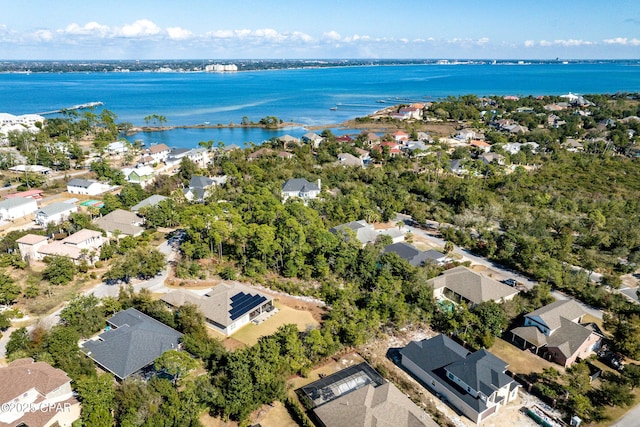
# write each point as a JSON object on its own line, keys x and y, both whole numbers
{"x": 521, "y": 362}
{"x": 250, "y": 334}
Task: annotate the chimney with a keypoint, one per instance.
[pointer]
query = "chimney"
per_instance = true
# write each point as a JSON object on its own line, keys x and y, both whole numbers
{"x": 319, "y": 184}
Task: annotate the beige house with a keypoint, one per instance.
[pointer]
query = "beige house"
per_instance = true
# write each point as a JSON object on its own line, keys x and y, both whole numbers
{"x": 227, "y": 307}
{"x": 39, "y": 386}
{"x": 556, "y": 333}
{"x": 83, "y": 245}
{"x": 461, "y": 284}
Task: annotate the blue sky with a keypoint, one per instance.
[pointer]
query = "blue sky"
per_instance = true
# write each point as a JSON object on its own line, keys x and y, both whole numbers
{"x": 160, "y": 29}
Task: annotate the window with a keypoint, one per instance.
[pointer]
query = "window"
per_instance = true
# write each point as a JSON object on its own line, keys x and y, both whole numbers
{"x": 450, "y": 375}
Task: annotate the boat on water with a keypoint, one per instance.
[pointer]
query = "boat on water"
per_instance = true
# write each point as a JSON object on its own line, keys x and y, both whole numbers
{"x": 333, "y": 108}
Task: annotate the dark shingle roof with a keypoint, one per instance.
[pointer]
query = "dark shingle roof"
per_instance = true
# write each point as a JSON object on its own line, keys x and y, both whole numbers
{"x": 299, "y": 185}
{"x": 82, "y": 183}
{"x": 481, "y": 370}
{"x": 135, "y": 342}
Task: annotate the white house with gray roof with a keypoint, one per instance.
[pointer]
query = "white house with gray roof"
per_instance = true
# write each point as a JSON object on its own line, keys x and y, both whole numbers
{"x": 88, "y": 187}
{"x": 300, "y": 188}
{"x": 474, "y": 383}
{"x": 54, "y": 213}
{"x": 17, "y": 207}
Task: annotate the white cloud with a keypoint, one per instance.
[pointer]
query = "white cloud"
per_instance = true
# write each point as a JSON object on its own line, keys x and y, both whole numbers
{"x": 623, "y": 41}
{"x": 529, "y": 43}
{"x": 90, "y": 28}
{"x": 332, "y": 35}
{"x": 140, "y": 28}
{"x": 44, "y": 35}
{"x": 177, "y": 33}
{"x": 482, "y": 41}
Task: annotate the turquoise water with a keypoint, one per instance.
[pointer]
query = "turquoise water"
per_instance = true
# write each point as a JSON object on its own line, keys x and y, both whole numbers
{"x": 304, "y": 96}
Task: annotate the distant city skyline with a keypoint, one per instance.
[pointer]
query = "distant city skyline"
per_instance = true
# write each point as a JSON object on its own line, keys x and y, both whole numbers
{"x": 288, "y": 29}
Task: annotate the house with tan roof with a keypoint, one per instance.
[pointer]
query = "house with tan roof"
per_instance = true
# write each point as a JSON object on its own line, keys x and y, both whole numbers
{"x": 38, "y": 385}
{"x": 125, "y": 222}
{"x": 158, "y": 152}
{"x": 227, "y": 307}
{"x": 461, "y": 284}
{"x": 348, "y": 159}
{"x": 83, "y": 245}
{"x": 556, "y": 333}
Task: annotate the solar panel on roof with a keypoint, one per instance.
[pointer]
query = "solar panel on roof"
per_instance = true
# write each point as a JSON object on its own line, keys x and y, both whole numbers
{"x": 242, "y": 303}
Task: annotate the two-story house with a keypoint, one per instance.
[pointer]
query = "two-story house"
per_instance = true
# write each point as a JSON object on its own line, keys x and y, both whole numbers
{"x": 556, "y": 333}
{"x": 300, "y": 188}
{"x": 37, "y": 386}
{"x": 474, "y": 383}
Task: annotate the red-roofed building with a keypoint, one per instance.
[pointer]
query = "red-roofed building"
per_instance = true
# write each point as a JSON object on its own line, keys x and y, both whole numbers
{"x": 30, "y": 194}
{"x": 401, "y": 136}
{"x": 484, "y": 146}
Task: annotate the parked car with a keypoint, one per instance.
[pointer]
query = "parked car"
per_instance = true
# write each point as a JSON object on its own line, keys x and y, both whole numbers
{"x": 510, "y": 282}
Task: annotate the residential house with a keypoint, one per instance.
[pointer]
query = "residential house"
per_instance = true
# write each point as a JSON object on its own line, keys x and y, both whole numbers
{"x": 312, "y": 138}
{"x": 372, "y": 139}
{"x": 425, "y": 137}
{"x": 573, "y": 146}
{"x": 480, "y": 145}
{"x": 359, "y": 396}
{"x": 260, "y": 153}
{"x": 461, "y": 284}
{"x": 29, "y": 194}
{"x": 125, "y": 222}
{"x": 400, "y": 136}
{"x": 142, "y": 175}
{"x": 17, "y": 207}
{"x": 347, "y": 159}
{"x": 83, "y": 245}
{"x": 88, "y": 187}
{"x": 361, "y": 230}
{"x": 417, "y": 148}
{"x": 158, "y": 152}
{"x": 200, "y": 187}
{"x": 199, "y": 156}
{"x": 285, "y": 155}
{"x": 146, "y": 160}
{"x": 131, "y": 342}
{"x": 516, "y": 128}
{"x": 392, "y": 147}
{"x": 474, "y": 383}
{"x": 29, "y": 245}
{"x": 466, "y": 135}
{"x": 118, "y": 147}
{"x": 55, "y": 213}
{"x": 149, "y": 201}
{"x": 436, "y": 257}
{"x": 556, "y": 333}
{"x": 288, "y": 140}
{"x": 300, "y": 188}
{"x": 227, "y": 307}
{"x": 488, "y": 158}
{"x": 459, "y": 166}
{"x": 28, "y": 384}
{"x": 411, "y": 112}
{"x": 344, "y": 139}
{"x": 408, "y": 253}
{"x": 363, "y": 155}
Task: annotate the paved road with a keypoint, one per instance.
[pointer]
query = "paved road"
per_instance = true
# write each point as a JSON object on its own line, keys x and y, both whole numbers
{"x": 502, "y": 271}
{"x": 630, "y": 419}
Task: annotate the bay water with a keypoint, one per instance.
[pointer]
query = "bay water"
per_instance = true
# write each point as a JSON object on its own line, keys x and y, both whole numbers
{"x": 310, "y": 97}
